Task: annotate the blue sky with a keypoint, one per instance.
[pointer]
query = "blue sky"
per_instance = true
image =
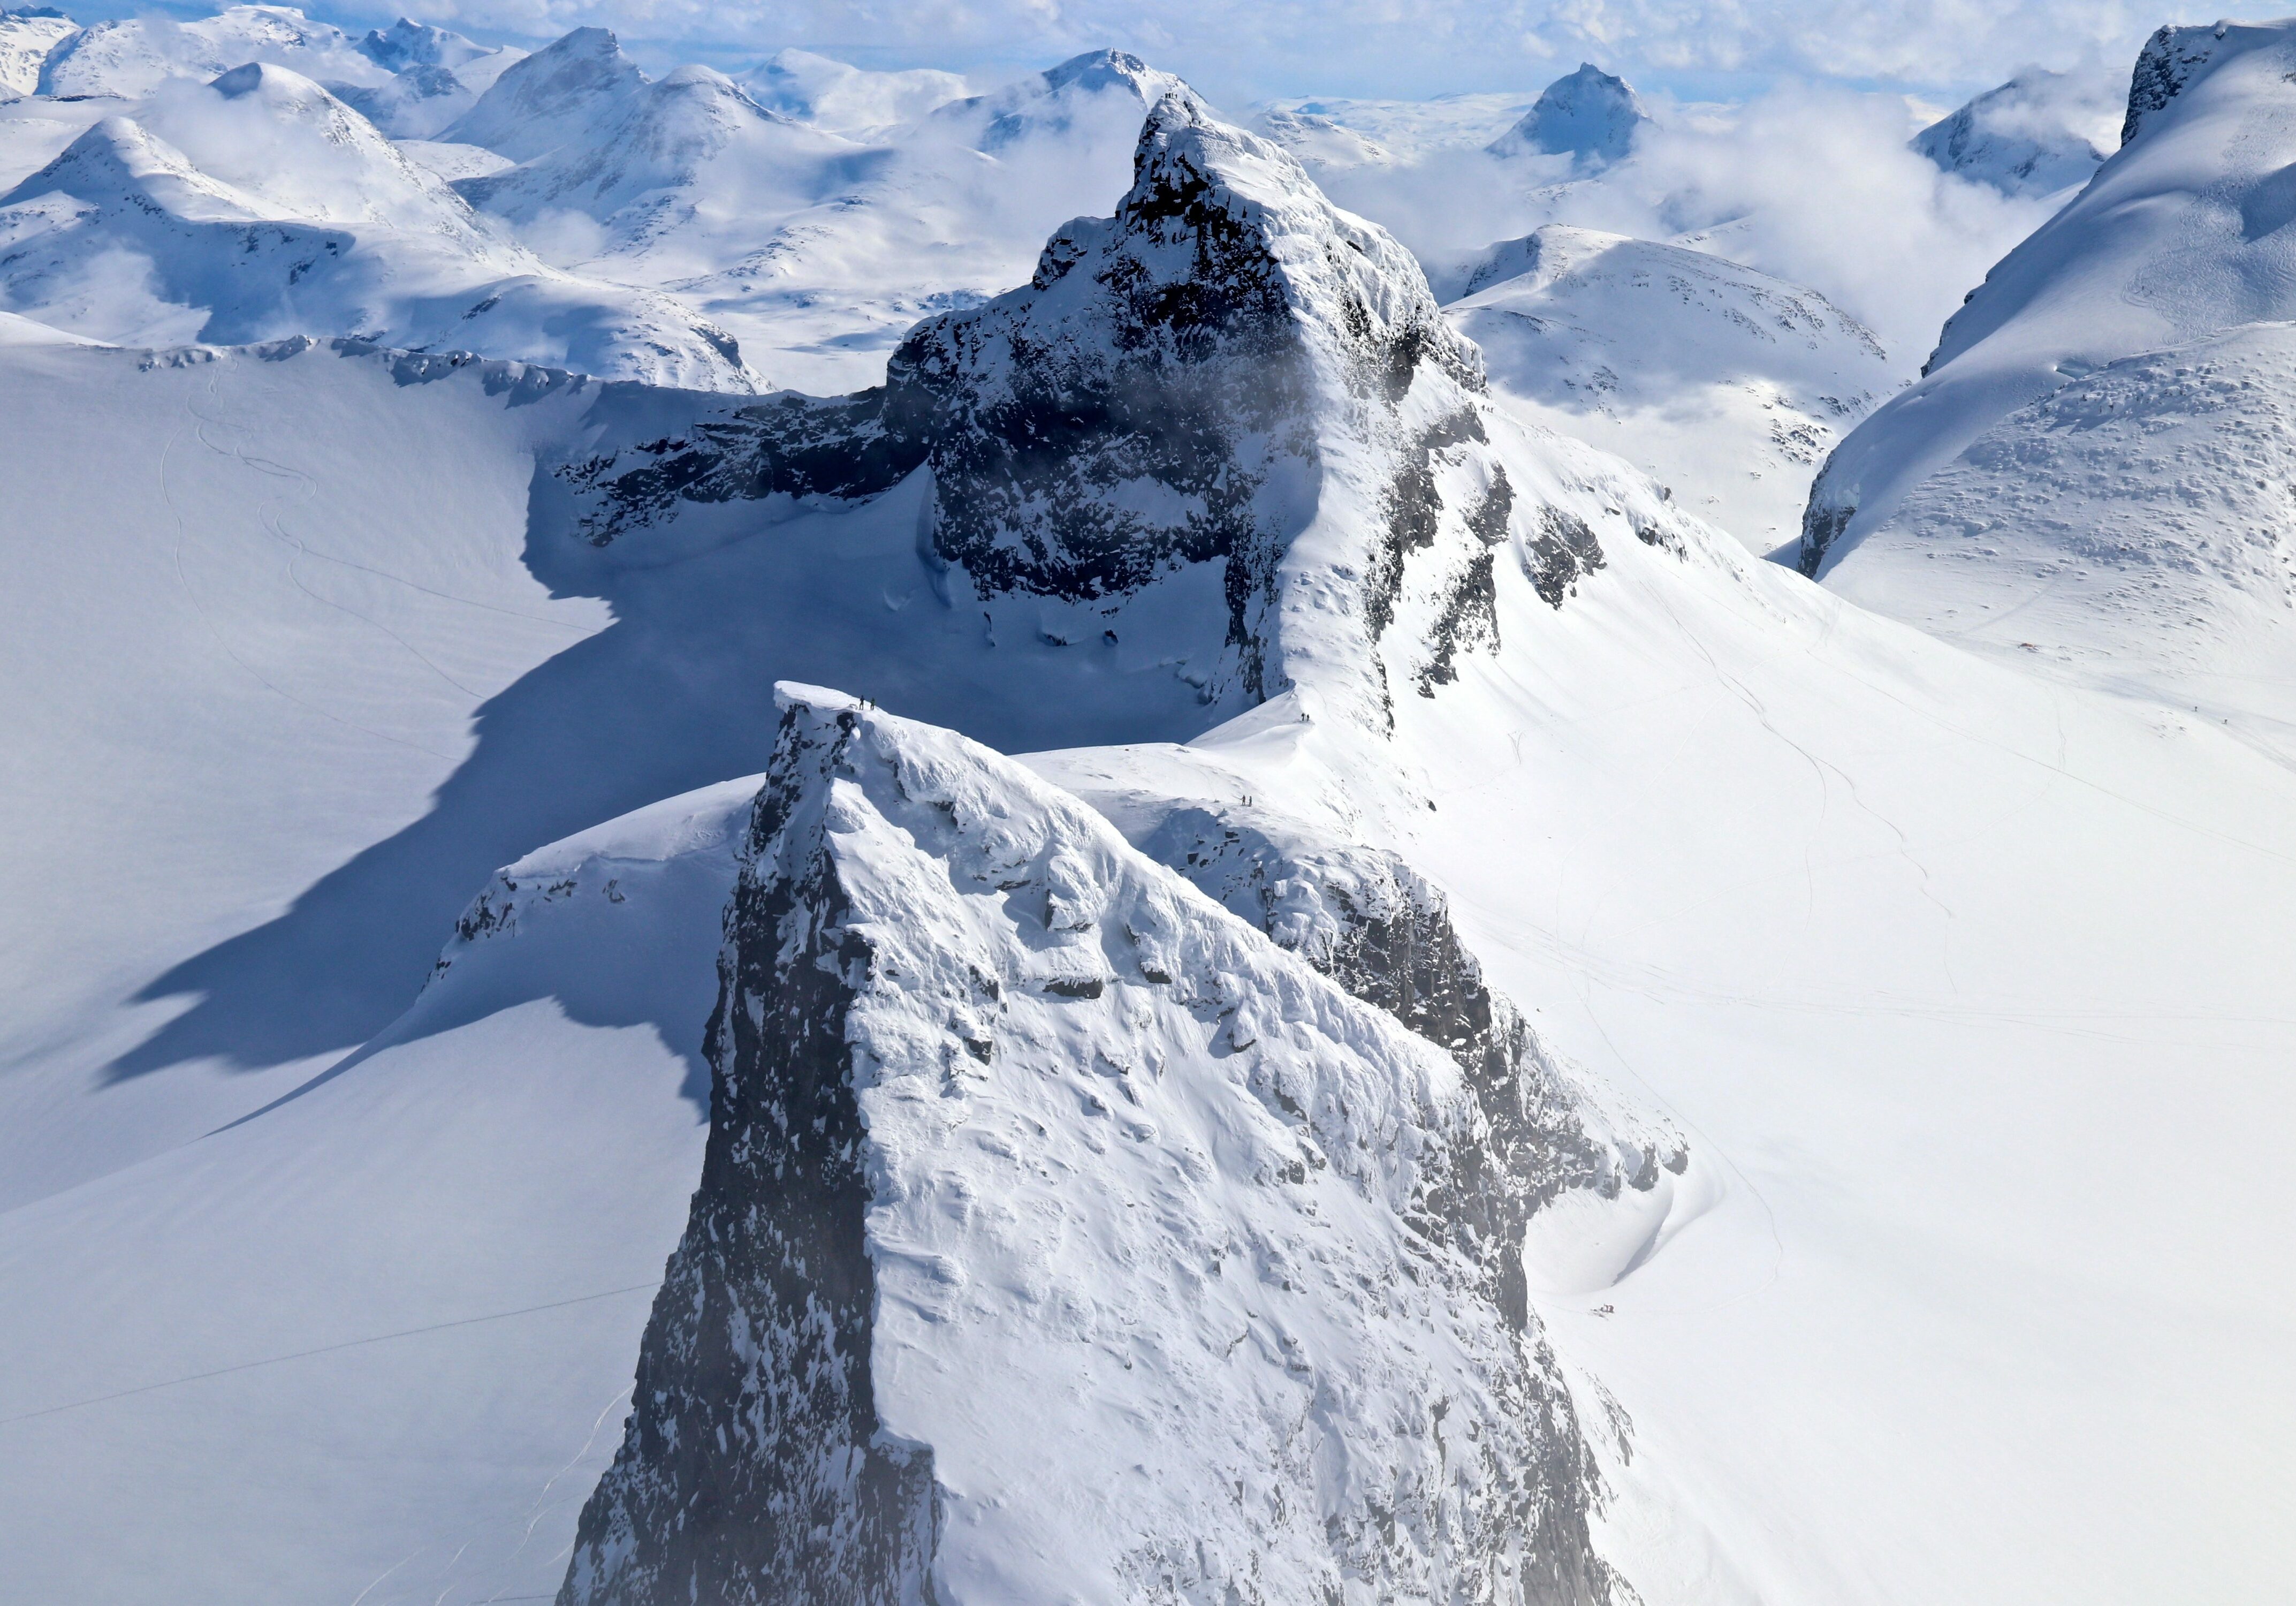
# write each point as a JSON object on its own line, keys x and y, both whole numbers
{"x": 1243, "y": 50}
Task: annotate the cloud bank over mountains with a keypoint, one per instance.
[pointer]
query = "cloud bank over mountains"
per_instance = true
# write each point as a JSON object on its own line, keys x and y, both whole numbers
{"x": 1372, "y": 46}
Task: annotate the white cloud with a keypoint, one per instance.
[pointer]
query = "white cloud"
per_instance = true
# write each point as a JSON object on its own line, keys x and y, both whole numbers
{"x": 1372, "y": 46}
{"x": 1815, "y": 184}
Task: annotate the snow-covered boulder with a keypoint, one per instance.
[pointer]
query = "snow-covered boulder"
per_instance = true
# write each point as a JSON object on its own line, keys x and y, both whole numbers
{"x": 1060, "y": 1236}
{"x": 2040, "y": 133}
{"x": 1589, "y": 116}
{"x": 1726, "y": 383}
{"x": 27, "y": 36}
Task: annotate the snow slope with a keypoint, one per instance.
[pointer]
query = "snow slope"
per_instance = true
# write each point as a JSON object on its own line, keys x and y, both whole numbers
{"x": 2085, "y": 474}
{"x": 1726, "y": 384}
{"x": 258, "y": 206}
{"x": 1969, "y": 982}
{"x": 676, "y": 176}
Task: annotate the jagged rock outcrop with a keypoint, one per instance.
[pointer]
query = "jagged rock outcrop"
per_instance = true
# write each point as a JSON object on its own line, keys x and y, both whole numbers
{"x": 2170, "y": 59}
{"x": 1229, "y": 371}
{"x": 1011, "y": 1126}
{"x": 1365, "y": 918}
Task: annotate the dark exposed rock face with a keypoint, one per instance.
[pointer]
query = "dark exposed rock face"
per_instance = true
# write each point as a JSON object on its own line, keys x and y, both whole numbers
{"x": 1823, "y": 524}
{"x": 752, "y": 1471}
{"x": 1562, "y": 552}
{"x": 1367, "y": 920}
{"x": 2166, "y": 64}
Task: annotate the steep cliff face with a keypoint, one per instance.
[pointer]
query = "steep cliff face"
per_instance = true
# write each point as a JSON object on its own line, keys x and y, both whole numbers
{"x": 1062, "y": 1237}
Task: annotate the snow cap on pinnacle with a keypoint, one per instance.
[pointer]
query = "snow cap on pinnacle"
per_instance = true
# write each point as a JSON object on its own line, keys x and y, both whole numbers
{"x": 1589, "y": 115}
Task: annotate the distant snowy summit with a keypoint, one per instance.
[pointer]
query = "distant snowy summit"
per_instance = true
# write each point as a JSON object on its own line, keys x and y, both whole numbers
{"x": 1590, "y": 116}
{"x": 28, "y": 37}
{"x": 2040, "y": 133}
{"x": 258, "y": 206}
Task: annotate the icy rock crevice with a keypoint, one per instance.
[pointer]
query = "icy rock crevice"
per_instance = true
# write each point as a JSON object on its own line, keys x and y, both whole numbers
{"x": 1062, "y": 1237}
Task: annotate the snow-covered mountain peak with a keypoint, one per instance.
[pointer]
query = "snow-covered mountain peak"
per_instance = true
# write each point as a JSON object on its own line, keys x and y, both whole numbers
{"x": 2182, "y": 233}
{"x": 946, "y": 983}
{"x": 407, "y": 43}
{"x": 1230, "y": 417}
{"x": 562, "y": 93}
{"x": 2122, "y": 367}
{"x": 133, "y": 57}
{"x": 28, "y": 35}
{"x": 675, "y": 165}
{"x": 118, "y": 159}
{"x": 1098, "y": 69}
{"x": 2174, "y": 59}
{"x": 1589, "y": 115}
{"x": 274, "y": 133}
{"x": 2040, "y": 133}
{"x": 1097, "y": 84}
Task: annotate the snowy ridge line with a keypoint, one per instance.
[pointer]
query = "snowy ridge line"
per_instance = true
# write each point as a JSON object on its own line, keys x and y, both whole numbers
{"x": 946, "y": 984}
{"x": 2090, "y": 475}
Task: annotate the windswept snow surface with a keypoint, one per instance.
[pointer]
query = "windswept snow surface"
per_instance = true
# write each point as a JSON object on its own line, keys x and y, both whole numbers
{"x": 2091, "y": 474}
{"x": 1724, "y": 385}
{"x": 1972, "y": 984}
